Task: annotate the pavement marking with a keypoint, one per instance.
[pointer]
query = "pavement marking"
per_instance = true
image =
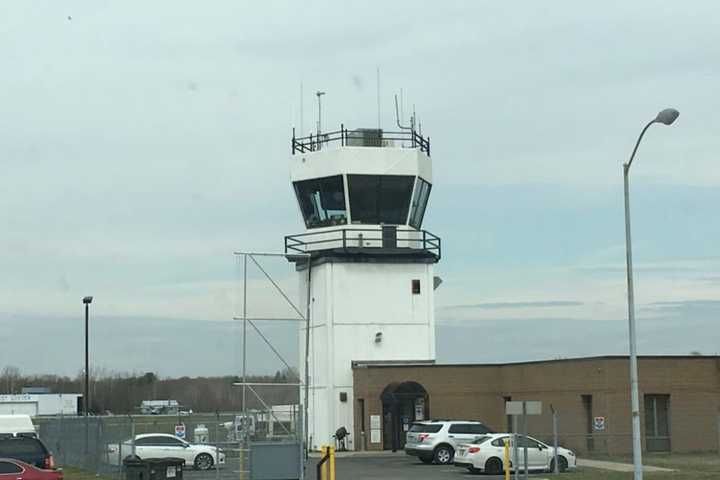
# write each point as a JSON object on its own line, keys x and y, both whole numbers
{"x": 617, "y": 466}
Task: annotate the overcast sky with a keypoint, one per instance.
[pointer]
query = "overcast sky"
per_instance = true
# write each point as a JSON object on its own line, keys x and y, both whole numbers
{"x": 141, "y": 143}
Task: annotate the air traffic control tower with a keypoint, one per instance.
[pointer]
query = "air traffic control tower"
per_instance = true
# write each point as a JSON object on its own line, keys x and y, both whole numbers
{"x": 362, "y": 195}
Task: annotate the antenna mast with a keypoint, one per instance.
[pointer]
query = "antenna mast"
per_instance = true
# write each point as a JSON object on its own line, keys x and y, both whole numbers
{"x": 378, "y": 96}
{"x": 319, "y": 126}
{"x": 302, "y": 110}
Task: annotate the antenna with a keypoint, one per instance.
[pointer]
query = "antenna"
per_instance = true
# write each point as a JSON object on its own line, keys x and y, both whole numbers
{"x": 397, "y": 115}
{"x": 302, "y": 111}
{"x": 319, "y": 95}
{"x": 378, "y": 96}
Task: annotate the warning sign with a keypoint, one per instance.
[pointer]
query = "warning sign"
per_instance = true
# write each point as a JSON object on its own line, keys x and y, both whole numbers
{"x": 599, "y": 423}
{"x": 180, "y": 430}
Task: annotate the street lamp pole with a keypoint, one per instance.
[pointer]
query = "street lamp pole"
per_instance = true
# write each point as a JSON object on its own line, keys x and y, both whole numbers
{"x": 86, "y": 399}
{"x": 666, "y": 117}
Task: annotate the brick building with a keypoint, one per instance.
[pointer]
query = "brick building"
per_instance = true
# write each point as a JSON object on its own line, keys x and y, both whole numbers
{"x": 680, "y": 400}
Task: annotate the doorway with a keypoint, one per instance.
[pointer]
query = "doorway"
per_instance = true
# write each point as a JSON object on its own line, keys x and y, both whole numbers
{"x": 403, "y": 403}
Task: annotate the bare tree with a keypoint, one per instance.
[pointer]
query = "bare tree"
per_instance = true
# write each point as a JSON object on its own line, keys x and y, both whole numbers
{"x": 10, "y": 379}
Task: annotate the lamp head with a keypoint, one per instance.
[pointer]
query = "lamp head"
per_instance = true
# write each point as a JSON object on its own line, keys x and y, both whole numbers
{"x": 87, "y": 300}
{"x": 667, "y": 116}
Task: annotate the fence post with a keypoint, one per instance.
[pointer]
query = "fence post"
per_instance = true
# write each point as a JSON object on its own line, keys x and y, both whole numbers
{"x": 516, "y": 459}
{"x": 132, "y": 435}
{"x": 555, "y": 438}
{"x": 217, "y": 425}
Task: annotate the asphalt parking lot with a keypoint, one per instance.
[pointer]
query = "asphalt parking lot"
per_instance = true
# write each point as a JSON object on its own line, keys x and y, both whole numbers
{"x": 377, "y": 467}
{"x": 396, "y": 467}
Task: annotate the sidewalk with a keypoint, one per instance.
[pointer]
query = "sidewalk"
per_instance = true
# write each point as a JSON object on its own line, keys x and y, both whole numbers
{"x": 618, "y": 467}
{"x": 367, "y": 453}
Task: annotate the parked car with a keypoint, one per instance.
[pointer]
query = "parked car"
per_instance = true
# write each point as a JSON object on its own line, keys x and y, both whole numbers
{"x": 486, "y": 454}
{"x": 11, "y": 468}
{"x": 26, "y": 448}
{"x": 162, "y": 445}
{"x": 17, "y": 425}
{"x": 436, "y": 440}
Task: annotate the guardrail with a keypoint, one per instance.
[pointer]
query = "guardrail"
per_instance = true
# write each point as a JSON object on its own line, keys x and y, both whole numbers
{"x": 397, "y": 240}
{"x": 360, "y": 138}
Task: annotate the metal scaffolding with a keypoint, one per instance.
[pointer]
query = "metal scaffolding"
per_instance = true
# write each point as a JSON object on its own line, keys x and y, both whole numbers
{"x": 303, "y": 385}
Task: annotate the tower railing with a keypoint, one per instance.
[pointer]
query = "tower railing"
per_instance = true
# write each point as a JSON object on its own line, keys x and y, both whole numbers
{"x": 370, "y": 240}
{"x": 360, "y": 138}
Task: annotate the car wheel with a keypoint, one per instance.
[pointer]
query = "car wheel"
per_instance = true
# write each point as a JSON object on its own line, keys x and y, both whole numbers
{"x": 426, "y": 460}
{"x": 494, "y": 466}
{"x": 443, "y": 455}
{"x": 203, "y": 462}
{"x": 563, "y": 465}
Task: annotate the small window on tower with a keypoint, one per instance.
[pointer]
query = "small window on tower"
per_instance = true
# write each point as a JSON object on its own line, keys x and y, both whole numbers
{"x": 416, "y": 287}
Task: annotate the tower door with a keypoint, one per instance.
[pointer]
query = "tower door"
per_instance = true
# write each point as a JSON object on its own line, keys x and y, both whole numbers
{"x": 389, "y": 236}
{"x": 403, "y": 404}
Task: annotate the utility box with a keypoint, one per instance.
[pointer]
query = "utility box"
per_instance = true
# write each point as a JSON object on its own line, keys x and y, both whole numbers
{"x": 273, "y": 460}
{"x": 201, "y": 434}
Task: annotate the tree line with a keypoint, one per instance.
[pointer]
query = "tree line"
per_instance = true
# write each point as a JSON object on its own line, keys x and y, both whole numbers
{"x": 122, "y": 393}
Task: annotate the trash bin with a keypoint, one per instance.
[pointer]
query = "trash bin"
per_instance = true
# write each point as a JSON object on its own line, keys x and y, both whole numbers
{"x": 153, "y": 468}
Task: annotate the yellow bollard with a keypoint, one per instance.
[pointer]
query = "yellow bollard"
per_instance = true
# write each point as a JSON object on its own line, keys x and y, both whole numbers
{"x": 324, "y": 467}
{"x": 331, "y": 460}
{"x": 506, "y": 463}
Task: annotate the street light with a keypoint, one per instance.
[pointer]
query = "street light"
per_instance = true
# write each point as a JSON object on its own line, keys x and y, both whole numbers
{"x": 666, "y": 117}
{"x": 86, "y": 400}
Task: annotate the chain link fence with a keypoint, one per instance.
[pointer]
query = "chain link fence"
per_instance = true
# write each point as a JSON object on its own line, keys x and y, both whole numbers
{"x": 215, "y": 446}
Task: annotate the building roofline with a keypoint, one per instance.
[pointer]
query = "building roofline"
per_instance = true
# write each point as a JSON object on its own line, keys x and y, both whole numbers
{"x": 392, "y": 363}
{"x": 426, "y": 363}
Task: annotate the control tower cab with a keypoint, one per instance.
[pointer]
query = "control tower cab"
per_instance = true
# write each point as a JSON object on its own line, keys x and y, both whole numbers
{"x": 362, "y": 196}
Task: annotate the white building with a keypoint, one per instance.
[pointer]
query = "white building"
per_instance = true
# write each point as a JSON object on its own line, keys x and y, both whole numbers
{"x": 40, "y": 404}
{"x": 159, "y": 407}
{"x": 362, "y": 195}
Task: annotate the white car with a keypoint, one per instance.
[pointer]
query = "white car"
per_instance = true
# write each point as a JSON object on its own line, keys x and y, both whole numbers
{"x": 486, "y": 454}
{"x": 162, "y": 445}
{"x": 435, "y": 441}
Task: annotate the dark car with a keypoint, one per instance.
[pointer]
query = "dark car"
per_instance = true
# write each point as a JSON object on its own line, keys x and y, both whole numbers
{"x": 28, "y": 449}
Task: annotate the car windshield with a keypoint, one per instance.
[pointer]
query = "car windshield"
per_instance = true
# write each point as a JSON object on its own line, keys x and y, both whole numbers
{"x": 20, "y": 446}
{"x": 425, "y": 428}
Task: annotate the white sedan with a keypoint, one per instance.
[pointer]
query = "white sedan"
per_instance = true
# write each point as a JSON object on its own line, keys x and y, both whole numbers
{"x": 162, "y": 445}
{"x": 486, "y": 454}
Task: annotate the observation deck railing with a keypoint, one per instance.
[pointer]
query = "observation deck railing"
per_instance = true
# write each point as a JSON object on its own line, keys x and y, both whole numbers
{"x": 384, "y": 240}
{"x": 360, "y": 138}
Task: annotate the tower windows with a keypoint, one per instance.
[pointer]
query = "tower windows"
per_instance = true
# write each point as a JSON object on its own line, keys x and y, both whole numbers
{"x": 419, "y": 202}
{"x": 376, "y": 199}
{"x": 416, "y": 287}
{"x": 322, "y": 201}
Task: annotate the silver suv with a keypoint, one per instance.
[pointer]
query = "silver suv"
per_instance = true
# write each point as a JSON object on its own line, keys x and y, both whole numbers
{"x": 436, "y": 440}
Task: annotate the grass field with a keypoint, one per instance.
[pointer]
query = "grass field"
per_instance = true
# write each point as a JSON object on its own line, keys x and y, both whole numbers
{"x": 702, "y": 466}
{"x": 76, "y": 474}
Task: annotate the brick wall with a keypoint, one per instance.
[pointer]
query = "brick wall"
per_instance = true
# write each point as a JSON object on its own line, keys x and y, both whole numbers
{"x": 477, "y": 391}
